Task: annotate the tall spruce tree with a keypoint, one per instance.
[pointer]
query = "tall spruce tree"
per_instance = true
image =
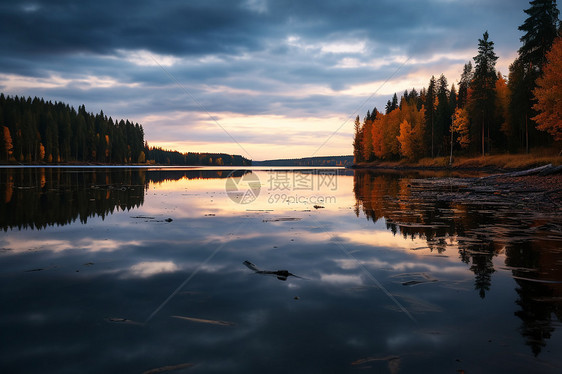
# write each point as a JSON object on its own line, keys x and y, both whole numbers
{"x": 540, "y": 28}
{"x": 453, "y": 98}
{"x": 442, "y": 116}
{"x": 357, "y": 140}
{"x": 466, "y": 78}
{"x": 394, "y": 101}
{"x": 429, "y": 105}
{"x": 482, "y": 100}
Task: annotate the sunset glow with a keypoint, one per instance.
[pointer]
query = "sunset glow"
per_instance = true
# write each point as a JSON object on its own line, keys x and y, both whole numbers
{"x": 269, "y": 83}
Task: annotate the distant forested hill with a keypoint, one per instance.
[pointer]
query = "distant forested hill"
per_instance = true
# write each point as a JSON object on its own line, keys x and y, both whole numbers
{"x": 35, "y": 130}
{"x": 167, "y": 157}
{"x": 39, "y": 131}
{"x": 308, "y": 161}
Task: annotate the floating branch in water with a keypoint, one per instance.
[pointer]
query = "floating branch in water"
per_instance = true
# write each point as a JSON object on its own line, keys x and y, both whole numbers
{"x": 280, "y": 274}
{"x": 122, "y": 320}
{"x": 208, "y": 321}
{"x": 168, "y": 368}
{"x": 283, "y": 219}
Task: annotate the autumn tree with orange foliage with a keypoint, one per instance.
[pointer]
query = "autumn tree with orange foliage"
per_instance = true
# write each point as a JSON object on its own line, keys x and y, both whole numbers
{"x": 391, "y": 130}
{"x": 412, "y": 130}
{"x": 367, "y": 140}
{"x": 548, "y": 93}
{"x": 461, "y": 127}
{"x": 491, "y": 114}
{"x": 8, "y": 145}
{"x": 386, "y": 127}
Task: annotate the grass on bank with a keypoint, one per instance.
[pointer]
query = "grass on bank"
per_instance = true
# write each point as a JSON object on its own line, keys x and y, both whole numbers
{"x": 500, "y": 161}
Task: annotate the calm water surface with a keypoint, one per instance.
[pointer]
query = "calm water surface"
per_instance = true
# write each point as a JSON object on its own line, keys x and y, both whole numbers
{"x": 321, "y": 271}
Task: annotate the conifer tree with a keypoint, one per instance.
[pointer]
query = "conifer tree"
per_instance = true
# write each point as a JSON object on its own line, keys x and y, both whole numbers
{"x": 482, "y": 100}
{"x": 358, "y": 141}
{"x": 464, "y": 83}
{"x": 429, "y": 104}
{"x": 540, "y": 29}
{"x": 442, "y": 115}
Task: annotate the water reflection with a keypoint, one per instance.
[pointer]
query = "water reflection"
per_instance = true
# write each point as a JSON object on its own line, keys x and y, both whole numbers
{"x": 42, "y": 197}
{"x": 479, "y": 231}
{"x": 188, "y": 278}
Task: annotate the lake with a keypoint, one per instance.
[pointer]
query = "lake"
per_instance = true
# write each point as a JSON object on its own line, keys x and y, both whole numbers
{"x": 139, "y": 270}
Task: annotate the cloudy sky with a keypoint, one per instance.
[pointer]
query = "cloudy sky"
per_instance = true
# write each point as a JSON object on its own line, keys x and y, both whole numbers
{"x": 261, "y": 78}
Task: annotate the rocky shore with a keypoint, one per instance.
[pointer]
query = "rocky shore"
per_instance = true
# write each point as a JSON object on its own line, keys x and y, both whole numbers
{"x": 538, "y": 189}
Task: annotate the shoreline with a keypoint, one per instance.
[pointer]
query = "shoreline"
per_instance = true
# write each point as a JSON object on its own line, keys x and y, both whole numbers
{"x": 492, "y": 163}
{"x": 411, "y": 167}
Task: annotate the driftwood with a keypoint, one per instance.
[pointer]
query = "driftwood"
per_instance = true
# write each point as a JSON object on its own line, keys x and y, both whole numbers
{"x": 541, "y": 171}
{"x": 534, "y": 171}
{"x": 280, "y": 274}
{"x": 538, "y": 189}
{"x": 552, "y": 171}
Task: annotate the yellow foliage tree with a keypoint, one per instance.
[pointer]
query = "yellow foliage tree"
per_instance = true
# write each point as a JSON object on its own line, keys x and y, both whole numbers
{"x": 412, "y": 129}
{"x": 461, "y": 127}
{"x": 391, "y": 130}
{"x": 41, "y": 151}
{"x": 367, "y": 140}
{"x": 108, "y": 147}
{"x": 405, "y": 140}
{"x": 548, "y": 93}
{"x": 8, "y": 146}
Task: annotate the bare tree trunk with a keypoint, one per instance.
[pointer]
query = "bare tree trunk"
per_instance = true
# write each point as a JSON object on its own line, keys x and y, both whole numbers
{"x": 451, "y": 156}
{"x": 432, "y": 154}
{"x": 489, "y": 141}
{"x": 526, "y": 133}
{"x": 483, "y": 145}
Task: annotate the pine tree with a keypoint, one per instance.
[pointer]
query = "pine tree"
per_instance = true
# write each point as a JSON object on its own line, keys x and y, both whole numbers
{"x": 358, "y": 141}
{"x": 482, "y": 100}
{"x": 442, "y": 115}
{"x": 453, "y": 98}
{"x": 429, "y": 104}
{"x": 540, "y": 28}
{"x": 519, "y": 101}
{"x": 394, "y": 102}
{"x": 464, "y": 83}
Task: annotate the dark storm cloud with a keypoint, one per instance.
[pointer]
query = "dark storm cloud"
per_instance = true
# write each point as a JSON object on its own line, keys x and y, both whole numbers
{"x": 178, "y": 27}
{"x": 291, "y": 58}
{"x": 187, "y": 28}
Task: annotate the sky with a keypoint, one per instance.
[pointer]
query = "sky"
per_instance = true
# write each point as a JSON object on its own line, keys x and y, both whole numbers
{"x": 264, "y": 79}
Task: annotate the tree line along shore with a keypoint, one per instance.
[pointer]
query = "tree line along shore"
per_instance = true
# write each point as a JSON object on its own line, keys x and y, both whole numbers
{"x": 486, "y": 114}
{"x": 35, "y": 131}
